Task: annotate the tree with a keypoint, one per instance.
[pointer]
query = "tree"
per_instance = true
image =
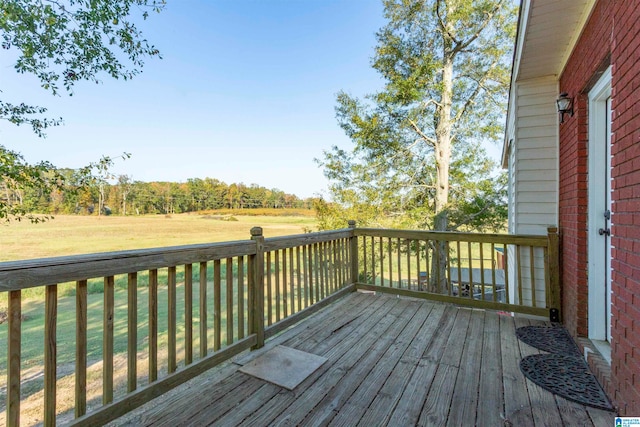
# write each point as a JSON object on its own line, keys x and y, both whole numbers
{"x": 62, "y": 43}
{"x": 417, "y": 158}
{"x": 18, "y": 176}
{"x": 125, "y": 185}
{"x": 446, "y": 67}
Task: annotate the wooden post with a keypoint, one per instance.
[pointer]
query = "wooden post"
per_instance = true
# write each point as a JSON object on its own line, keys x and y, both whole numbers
{"x": 555, "y": 297}
{"x": 81, "y": 348}
{"x": 50, "y": 354}
{"x": 13, "y": 358}
{"x": 256, "y": 288}
{"x": 353, "y": 240}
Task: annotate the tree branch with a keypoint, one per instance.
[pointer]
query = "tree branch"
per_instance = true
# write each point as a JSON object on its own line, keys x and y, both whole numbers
{"x": 461, "y": 45}
{"x": 424, "y": 136}
{"x": 471, "y": 99}
{"x": 442, "y": 24}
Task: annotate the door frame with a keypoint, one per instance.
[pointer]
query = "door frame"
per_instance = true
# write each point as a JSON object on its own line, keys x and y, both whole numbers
{"x": 599, "y": 191}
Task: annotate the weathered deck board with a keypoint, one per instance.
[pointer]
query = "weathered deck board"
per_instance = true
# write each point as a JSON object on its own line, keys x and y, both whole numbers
{"x": 391, "y": 361}
{"x": 465, "y": 395}
{"x": 491, "y": 410}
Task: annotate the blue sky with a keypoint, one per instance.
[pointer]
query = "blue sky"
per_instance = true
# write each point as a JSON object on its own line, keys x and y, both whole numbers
{"x": 245, "y": 92}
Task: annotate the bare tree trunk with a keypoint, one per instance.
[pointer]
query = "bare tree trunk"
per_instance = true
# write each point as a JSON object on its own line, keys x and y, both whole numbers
{"x": 443, "y": 160}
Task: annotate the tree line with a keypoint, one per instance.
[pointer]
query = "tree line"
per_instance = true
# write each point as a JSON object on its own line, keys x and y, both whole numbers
{"x": 125, "y": 196}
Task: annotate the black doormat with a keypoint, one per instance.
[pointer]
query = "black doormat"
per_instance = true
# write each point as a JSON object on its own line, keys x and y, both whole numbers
{"x": 567, "y": 376}
{"x": 550, "y": 339}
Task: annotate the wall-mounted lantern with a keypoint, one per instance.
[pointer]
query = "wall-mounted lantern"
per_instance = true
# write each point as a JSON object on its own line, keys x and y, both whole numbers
{"x": 565, "y": 105}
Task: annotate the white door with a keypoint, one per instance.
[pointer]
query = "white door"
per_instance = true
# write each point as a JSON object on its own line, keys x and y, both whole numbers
{"x": 599, "y": 213}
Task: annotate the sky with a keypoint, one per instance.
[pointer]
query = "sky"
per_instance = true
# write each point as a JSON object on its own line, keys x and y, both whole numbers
{"x": 245, "y": 93}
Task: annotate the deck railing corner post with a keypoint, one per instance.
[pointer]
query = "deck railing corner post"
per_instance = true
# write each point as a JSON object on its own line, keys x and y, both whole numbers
{"x": 353, "y": 240}
{"x": 555, "y": 299}
{"x": 256, "y": 288}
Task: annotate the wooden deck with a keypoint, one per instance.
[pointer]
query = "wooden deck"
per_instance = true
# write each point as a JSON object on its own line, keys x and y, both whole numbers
{"x": 391, "y": 361}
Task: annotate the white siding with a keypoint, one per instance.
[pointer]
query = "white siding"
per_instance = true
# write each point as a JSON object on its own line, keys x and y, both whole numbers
{"x": 533, "y": 178}
{"x": 534, "y": 165}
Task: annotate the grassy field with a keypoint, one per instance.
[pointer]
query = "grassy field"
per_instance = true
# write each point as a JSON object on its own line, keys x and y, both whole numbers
{"x": 69, "y": 235}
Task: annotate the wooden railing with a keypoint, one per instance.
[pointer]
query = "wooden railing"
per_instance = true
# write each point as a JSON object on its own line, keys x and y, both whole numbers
{"x": 203, "y": 304}
{"x": 515, "y": 273}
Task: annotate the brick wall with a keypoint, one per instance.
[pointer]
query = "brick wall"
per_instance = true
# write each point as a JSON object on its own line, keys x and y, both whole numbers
{"x": 589, "y": 58}
{"x": 625, "y": 351}
{"x": 611, "y": 36}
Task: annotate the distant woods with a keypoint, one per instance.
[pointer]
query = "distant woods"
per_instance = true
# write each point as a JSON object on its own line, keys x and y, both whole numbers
{"x": 124, "y": 196}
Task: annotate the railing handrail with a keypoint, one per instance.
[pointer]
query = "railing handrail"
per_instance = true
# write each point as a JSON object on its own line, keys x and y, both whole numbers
{"x": 23, "y": 274}
{"x": 455, "y": 236}
{"x": 286, "y": 242}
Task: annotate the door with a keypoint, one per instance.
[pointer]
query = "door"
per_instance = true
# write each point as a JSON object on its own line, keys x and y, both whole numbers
{"x": 600, "y": 214}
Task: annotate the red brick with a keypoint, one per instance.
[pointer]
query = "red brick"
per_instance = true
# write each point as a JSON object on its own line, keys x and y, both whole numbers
{"x": 613, "y": 29}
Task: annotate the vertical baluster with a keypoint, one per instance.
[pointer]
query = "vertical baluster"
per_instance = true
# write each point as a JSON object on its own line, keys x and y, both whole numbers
{"x": 408, "y": 242}
{"x": 519, "y": 264}
{"x": 310, "y": 273}
{"x": 107, "y": 341}
{"x": 292, "y": 284}
{"x": 364, "y": 259}
{"x": 341, "y": 266}
{"x": 132, "y": 331}
{"x": 494, "y": 290}
{"x": 482, "y": 270}
{"x": 330, "y": 270}
{"x": 171, "y": 321}
{"x": 285, "y": 301}
{"x": 343, "y": 262}
{"x": 438, "y": 268}
{"x": 399, "y": 263}
{"x": 299, "y": 275}
{"x": 337, "y": 265}
{"x": 277, "y": 261}
{"x": 459, "y": 269}
{"x": 81, "y": 349}
{"x": 153, "y": 325}
{"x": 447, "y": 261}
{"x": 50, "y": 353}
{"x": 217, "y": 327}
{"x": 13, "y": 357}
{"x": 506, "y": 273}
{"x": 381, "y": 255}
{"x": 229, "y": 301}
{"x": 203, "y": 309}
{"x": 533, "y": 276}
{"x": 324, "y": 270}
{"x": 241, "y": 297}
{"x": 373, "y": 260}
{"x": 188, "y": 314}
{"x": 427, "y": 267}
{"x": 390, "y": 262}
{"x": 316, "y": 268}
{"x": 270, "y": 294}
{"x": 418, "y": 269}
{"x": 322, "y": 260}
{"x": 305, "y": 262}
{"x": 470, "y": 256}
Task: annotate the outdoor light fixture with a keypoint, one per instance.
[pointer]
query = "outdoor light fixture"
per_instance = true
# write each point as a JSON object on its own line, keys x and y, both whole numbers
{"x": 565, "y": 105}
